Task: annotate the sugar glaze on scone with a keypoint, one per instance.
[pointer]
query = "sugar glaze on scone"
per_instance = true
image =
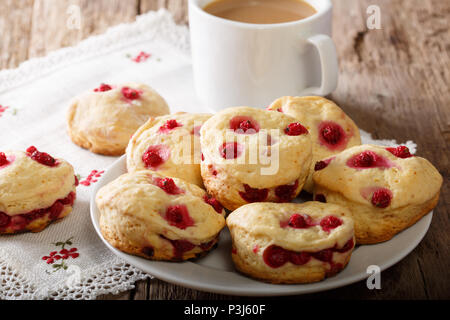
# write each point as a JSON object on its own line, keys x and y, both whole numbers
{"x": 35, "y": 190}
{"x": 157, "y": 217}
{"x": 291, "y": 242}
{"x": 170, "y": 145}
{"x": 332, "y": 131}
{"x": 386, "y": 189}
{"x": 254, "y": 155}
{"x": 104, "y": 119}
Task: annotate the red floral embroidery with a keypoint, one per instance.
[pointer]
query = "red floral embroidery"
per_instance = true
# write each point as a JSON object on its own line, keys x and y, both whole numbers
{"x": 92, "y": 177}
{"x": 2, "y": 110}
{"x": 58, "y": 259}
{"x": 141, "y": 57}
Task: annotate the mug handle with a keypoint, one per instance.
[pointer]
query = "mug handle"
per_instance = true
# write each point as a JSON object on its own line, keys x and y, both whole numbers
{"x": 329, "y": 65}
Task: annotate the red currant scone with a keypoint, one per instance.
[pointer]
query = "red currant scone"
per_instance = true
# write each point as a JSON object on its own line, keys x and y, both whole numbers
{"x": 290, "y": 242}
{"x": 159, "y": 218}
{"x": 103, "y": 120}
{"x": 385, "y": 189}
{"x": 35, "y": 190}
{"x": 331, "y": 129}
{"x": 170, "y": 145}
{"x": 254, "y": 155}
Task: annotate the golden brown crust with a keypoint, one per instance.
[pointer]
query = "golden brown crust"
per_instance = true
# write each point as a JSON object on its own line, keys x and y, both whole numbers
{"x": 103, "y": 122}
{"x": 115, "y": 240}
{"x": 228, "y": 179}
{"x": 103, "y": 150}
{"x": 389, "y": 232}
{"x": 374, "y": 225}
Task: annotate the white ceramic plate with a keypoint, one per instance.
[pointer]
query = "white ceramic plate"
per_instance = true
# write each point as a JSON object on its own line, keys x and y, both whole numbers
{"x": 215, "y": 272}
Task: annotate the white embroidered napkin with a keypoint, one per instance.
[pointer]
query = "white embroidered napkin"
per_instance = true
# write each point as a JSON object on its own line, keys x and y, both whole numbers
{"x": 68, "y": 260}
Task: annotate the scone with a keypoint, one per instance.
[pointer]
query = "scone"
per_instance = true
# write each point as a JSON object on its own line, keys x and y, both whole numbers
{"x": 160, "y": 218}
{"x": 290, "y": 242}
{"x": 331, "y": 129}
{"x": 35, "y": 190}
{"x": 104, "y": 119}
{"x": 254, "y": 155}
{"x": 170, "y": 145}
{"x": 385, "y": 189}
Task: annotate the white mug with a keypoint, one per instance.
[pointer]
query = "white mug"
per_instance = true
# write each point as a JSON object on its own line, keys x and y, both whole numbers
{"x": 238, "y": 64}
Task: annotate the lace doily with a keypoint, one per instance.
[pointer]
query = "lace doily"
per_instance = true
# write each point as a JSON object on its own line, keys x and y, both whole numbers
{"x": 23, "y": 277}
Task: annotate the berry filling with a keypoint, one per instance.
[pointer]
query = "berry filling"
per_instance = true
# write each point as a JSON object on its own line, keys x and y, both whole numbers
{"x": 322, "y": 164}
{"x": 6, "y": 160}
{"x": 103, "y": 87}
{"x": 131, "y": 94}
{"x": 320, "y": 197}
{"x": 331, "y": 135}
{"x": 20, "y": 221}
{"x": 3, "y": 160}
{"x": 182, "y": 246}
{"x": 4, "y": 220}
{"x": 330, "y": 222}
{"x": 286, "y": 193}
{"x": 347, "y": 246}
{"x": 178, "y": 216}
{"x": 244, "y": 125}
{"x": 253, "y": 194}
{"x": 155, "y": 156}
{"x": 168, "y": 185}
{"x": 295, "y": 129}
{"x": 230, "y": 150}
{"x": 298, "y": 221}
{"x": 214, "y": 203}
{"x": 299, "y": 258}
{"x": 381, "y": 198}
{"x": 169, "y": 126}
{"x": 400, "y": 152}
{"x": 275, "y": 256}
{"x": 41, "y": 157}
{"x": 325, "y": 255}
{"x": 367, "y": 160}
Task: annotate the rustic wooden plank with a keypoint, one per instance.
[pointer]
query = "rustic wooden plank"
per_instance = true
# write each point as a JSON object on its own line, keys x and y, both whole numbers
{"x": 394, "y": 83}
{"x": 177, "y": 7}
{"x": 96, "y": 17}
{"x": 141, "y": 292}
{"x": 15, "y": 26}
{"x": 121, "y": 296}
{"x": 160, "y": 290}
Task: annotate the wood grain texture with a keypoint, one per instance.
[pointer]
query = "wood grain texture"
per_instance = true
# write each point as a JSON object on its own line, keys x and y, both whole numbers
{"x": 394, "y": 82}
{"x": 179, "y": 8}
{"x": 15, "y": 31}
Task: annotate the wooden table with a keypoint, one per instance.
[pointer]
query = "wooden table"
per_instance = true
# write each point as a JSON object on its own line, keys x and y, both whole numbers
{"x": 394, "y": 82}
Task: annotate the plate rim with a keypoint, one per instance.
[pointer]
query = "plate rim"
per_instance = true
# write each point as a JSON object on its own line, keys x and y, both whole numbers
{"x": 143, "y": 264}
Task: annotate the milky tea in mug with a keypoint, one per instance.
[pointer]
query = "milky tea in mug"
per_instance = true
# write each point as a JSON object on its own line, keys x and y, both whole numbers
{"x": 251, "y": 52}
{"x": 260, "y": 11}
